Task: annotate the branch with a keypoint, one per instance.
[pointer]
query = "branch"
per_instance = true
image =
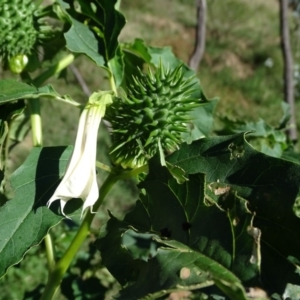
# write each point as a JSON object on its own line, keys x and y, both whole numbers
{"x": 200, "y": 35}
{"x": 288, "y": 67}
{"x": 80, "y": 80}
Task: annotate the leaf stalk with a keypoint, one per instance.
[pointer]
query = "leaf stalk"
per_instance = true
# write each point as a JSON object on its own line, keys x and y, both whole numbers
{"x": 57, "y": 68}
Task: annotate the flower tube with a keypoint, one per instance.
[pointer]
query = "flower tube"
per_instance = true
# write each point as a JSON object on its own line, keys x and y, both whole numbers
{"x": 80, "y": 180}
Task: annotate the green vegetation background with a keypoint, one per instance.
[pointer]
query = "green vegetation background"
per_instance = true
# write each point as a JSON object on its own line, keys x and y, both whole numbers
{"x": 242, "y": 37}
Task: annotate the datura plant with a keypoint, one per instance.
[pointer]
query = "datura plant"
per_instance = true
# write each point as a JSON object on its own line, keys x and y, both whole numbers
{"x": 152, "y": 116}
{"x": 22, "y": 29}
{"x": 195, "y": 214}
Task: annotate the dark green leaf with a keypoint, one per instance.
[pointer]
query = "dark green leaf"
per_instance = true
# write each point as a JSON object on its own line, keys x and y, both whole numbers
{"x": 11, "y": 90}
{"x": 187, "y": 269}
{"x": 203, "y": 121}
{"x": 269, "y": 184}
{"x": 153, "y": 56}
{"x": 95, "y": 29}
{"x": 80, "y": 39}
{"x": 197, "y": 232}
{"x": 74, "y": 287}
{"x": 132, "y": 63}
{"x": 25, "y": 219}
{"x": 174, "y": 267}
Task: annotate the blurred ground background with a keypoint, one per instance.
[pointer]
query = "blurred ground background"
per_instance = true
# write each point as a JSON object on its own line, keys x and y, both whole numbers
{"x": 242, "y": 65}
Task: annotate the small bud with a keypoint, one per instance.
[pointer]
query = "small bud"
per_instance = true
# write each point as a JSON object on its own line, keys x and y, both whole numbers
{"x": 18, "y": 63}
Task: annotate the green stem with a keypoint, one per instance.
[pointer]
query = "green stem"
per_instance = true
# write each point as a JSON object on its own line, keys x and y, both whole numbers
{"x": 37, "y": 139}
{"x": 68, "y": 101}
{"x": 62, "y": 64}
{"x": 112, "y": 80}
{"x": 104, "y": 167}
{"x": 36, "y": 122}
{"x": 124, "y": 174}
{"x": 49, "y": 252}
{"x": 134, "y": 172}
{"x": 63, "y": 264}
{"x": 37, "y": 136}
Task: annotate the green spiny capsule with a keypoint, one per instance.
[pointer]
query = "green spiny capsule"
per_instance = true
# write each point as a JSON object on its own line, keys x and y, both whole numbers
{"x": 154, "y": 112}
{"x": 21, "y": 28}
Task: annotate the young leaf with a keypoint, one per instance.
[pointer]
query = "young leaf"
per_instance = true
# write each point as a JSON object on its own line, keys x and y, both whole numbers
{"x": 116, "y": 66}
{"x": 154, "y": 56}
{"x": 25, "y": 219}
{"x": 95, "y": 29}
{"x": 80, "y": 39}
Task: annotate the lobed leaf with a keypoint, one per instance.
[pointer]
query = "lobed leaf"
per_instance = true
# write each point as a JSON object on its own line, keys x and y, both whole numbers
{"x": 235, "y": 210}
{"x": 199, "y": 235}
{"x": 270, "y": 186}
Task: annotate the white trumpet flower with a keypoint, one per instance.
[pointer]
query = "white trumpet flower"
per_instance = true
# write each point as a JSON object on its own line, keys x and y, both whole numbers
{"x": 80, "y": 180}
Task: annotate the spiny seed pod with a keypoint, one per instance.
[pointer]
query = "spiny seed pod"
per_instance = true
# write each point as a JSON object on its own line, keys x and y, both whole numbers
{"x": 153, "y": 115}
{"x": 21, "y": 28}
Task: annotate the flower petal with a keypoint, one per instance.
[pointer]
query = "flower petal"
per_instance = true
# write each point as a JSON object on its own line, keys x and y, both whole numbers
{"x": 80, "y": 179}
